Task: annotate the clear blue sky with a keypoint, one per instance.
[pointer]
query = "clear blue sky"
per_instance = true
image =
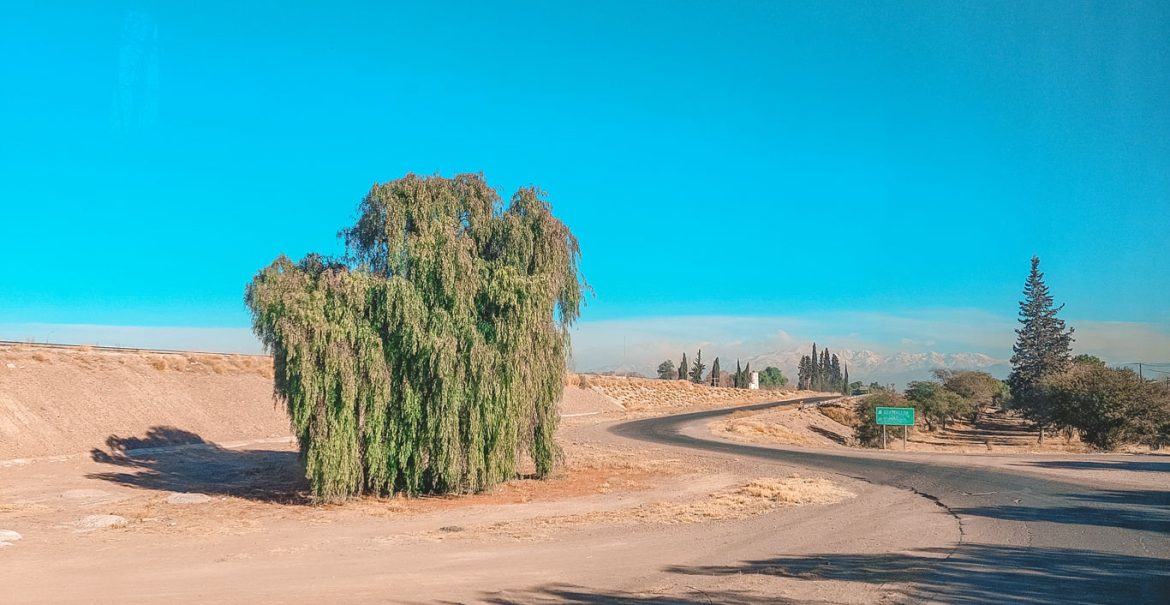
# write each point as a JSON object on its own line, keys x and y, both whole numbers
{"x": 731, "y": 158}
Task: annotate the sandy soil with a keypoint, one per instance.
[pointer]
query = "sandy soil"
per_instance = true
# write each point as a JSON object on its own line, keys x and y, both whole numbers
{"x": 184, "y": 486}
{"x": 187, "y": 488}
{"x": 620, "y": 520}
{"x": 56, "y": 402}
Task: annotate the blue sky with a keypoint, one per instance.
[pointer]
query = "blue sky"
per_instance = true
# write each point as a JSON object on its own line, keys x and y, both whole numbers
{"x": 797, "y": 163}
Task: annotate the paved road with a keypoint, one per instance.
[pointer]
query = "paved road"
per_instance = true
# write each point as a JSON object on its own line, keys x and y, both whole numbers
{"x": 1026, "y": 539}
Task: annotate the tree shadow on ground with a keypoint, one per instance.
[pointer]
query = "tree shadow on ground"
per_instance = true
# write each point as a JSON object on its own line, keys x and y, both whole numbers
{"x": 1109, "y": 465}
{"x": 977, "y": 574}
{"x": 840, "y": 439}
{"x": 173, "y": 460}
{"x": 567, "y": 594}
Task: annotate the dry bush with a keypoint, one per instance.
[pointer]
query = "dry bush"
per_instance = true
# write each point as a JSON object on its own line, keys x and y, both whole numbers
{"x": 583, "y": 381}
{"x": 40, "y": 357}
{"x": 839, "y": 414}
{"x": 158, "y": 363}
{"x": 85, "y": 348}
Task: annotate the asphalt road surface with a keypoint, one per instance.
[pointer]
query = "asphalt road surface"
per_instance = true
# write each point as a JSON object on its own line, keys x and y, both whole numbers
{"x": 1025, "y": 539}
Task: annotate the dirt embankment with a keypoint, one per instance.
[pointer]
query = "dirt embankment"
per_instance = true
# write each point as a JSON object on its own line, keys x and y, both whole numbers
{"x": 68, "y": 401}
{"x": 646, "y": 394}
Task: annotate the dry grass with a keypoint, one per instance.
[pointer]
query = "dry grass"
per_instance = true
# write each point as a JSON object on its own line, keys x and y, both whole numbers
{"x": 840, "y": 414}
{"x": 87, "y": 357}
{"x": 804, "y": 427}
{"x": 755, "y": 498}
{"x": 642, "y": 394}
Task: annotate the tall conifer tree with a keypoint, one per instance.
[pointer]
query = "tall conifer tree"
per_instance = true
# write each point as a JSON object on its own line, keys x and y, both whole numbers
{"x": 1043, "y": 348}
{"x": 697, "y": 369}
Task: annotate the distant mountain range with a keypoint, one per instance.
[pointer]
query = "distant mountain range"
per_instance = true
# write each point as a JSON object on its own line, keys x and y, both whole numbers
{"x": 866, "y": 366}
{"x": 897, "y": 368}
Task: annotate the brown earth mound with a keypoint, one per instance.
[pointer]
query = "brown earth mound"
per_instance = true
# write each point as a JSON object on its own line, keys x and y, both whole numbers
{"x": 62, "y": 401}
{"x": 68, "y": 401}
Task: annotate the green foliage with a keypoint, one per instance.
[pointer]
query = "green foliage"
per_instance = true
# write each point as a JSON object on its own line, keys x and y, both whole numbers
{"x": 1109, "y": 406}
{"x": 429, "y": 358}
{"x": 823, "y": 372}
{"x": 713, "y": 379}
{"x": 683, "y": 368}
{"x": 771, "y": 377}
{"x": 739, "y": 381}
{"x": 1087, "y": 359}
{"x": 666, "y": 370}
{"x": 979, "y": 389}
{"x": 936, "y": 403}
{"x": 1043, "y": 348}
{"x": 867, "y": 432}
{"x": 697, "y": 369}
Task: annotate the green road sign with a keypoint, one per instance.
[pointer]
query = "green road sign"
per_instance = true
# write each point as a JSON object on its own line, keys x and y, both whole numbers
{"x": 896, "y": 416}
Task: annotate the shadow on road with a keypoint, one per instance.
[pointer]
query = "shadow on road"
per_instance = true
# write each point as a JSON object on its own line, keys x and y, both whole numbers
{"x": 173, "y": 460}
{"x": 979, "y": 574}
{"x": 1108, "y": 465}
{"x": 1139, "y": 510}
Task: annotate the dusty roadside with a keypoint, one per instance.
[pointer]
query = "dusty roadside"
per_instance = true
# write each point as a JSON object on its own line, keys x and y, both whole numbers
{"x": 227, "y": 523}
{"x": 615, "y": 533}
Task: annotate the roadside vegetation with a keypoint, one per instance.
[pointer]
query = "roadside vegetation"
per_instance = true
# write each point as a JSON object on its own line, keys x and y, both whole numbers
{"x": 1107, "y": 407}
{"x": 1057, "y": 393}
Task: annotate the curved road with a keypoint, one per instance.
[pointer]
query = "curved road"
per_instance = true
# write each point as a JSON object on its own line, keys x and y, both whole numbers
{"x": 1025, "y": 538}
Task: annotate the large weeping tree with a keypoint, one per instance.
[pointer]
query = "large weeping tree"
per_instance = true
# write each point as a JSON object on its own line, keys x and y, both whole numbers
{"x": 430, "y": 357}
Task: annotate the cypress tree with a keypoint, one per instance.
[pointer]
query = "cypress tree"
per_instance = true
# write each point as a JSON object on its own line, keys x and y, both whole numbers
{"x": 431, "y": 357}
{"x": 747, "y": 375}
{"x": 683, "y": 368}
{"x": 715, "y": 372}
{"x": 697, "y": 369}
{"x": 845, "y": 369}
{"x": 738, "y": 375}
{"x": 814, "y": 378}
{"x": 1043, "y": 348}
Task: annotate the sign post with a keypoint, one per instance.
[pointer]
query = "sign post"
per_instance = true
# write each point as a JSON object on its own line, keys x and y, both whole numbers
{"x": 903, "y": 417}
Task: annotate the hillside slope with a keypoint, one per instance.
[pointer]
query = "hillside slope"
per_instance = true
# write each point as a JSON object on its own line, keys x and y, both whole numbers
{"x": 68, "y": 401}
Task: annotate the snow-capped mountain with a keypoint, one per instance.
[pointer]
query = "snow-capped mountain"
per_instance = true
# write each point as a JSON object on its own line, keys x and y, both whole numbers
{"x": 897, "y": 368}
